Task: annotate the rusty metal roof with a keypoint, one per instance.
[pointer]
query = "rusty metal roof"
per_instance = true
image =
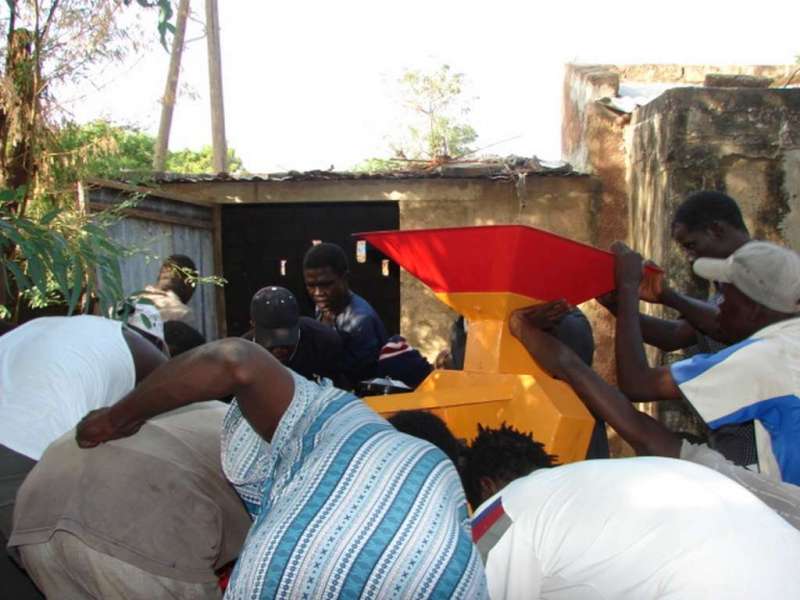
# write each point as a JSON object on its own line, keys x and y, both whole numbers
{"x": 494, "y": 169}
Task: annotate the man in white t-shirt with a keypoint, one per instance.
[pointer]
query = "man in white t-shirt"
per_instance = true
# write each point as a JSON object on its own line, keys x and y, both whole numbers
{"x": 632, "y": 529}
{"x": 52, "y": 371}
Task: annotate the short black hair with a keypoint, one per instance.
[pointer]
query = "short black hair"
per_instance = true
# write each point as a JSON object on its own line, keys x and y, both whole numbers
{"x": 181, "y": 337}
{"x": 701, "y": 209}
{"x": 179, "y": 266}
{"x": 503, "y": 454}
{"x": 429, "y": 427}
{"x": 326, "y": 255}
{"x": 181, "y": 261}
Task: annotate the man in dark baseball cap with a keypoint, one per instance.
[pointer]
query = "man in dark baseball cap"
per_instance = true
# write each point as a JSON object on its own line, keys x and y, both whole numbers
{"x": 275, "y": 316}
{"x": 301, "y": 343}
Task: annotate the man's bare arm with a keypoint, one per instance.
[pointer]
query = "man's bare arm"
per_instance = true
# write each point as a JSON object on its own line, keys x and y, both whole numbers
{"x": 666, "y": 334}
{"x": 636, "y": 378}
{"x": 263, "y": 387}
{"x": 699, "y": 314}
{"x": 647, "y": 435}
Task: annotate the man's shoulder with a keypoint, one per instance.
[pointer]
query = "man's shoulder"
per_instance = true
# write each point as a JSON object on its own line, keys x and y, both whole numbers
{"x": 359, "y": 306}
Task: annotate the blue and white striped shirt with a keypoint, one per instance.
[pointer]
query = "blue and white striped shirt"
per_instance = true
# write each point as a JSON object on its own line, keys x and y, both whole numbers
{"x": 344, "y": 506}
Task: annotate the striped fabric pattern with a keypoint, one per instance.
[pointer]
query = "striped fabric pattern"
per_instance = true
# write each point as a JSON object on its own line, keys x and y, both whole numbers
{"x": 347, "y": 507}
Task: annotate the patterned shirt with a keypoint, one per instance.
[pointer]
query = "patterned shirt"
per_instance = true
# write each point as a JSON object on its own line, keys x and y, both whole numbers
{"x": 758, "y": 380}
{"x": 344, "y": 506}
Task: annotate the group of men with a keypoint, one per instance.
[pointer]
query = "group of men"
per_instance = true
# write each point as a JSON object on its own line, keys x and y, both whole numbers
{"x": 314, "y": 495}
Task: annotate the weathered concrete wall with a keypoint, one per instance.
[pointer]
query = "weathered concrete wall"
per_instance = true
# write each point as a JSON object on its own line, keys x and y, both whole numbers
{"x": 594, "y": 141}
{"x": 745, "y": 142}
{"x": 564, "y": 204}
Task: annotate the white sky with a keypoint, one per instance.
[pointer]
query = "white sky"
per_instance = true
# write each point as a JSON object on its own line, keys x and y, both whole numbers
{"x": 310, "y": 84}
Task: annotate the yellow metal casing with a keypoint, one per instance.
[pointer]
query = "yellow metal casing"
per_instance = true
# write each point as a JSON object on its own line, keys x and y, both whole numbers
{"x": 500, "y": 383}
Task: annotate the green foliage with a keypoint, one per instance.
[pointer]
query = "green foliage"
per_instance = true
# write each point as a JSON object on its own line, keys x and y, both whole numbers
{"x": 99, "y": 149}
{"x": 105, "y": 150}
{"x": 437, "y": 97}
{"x": 200, "y": 161}
{"x": 379, "y": 165}
{"x": 59, "y": 257}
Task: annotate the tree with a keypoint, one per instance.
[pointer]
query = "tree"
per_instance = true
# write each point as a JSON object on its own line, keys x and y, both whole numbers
{"x": 200, "y": 161}
{"x": 435, "y": 128}
{"x": 51, "y": 252}
{"x": 105, "y": 150}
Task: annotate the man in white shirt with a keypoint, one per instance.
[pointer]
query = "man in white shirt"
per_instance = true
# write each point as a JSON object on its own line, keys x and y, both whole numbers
{"x": 622, "y": 528}
{"x": 52, "y": 371}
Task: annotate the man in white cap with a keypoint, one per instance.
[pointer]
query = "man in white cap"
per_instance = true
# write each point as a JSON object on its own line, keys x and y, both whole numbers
{"x": 52, "y": 371}
{"x": 755, "y": 379}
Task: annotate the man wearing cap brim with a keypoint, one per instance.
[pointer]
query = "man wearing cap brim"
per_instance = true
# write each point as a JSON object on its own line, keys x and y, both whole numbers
{"x": 755, "y": 379}
{"x": 300, "y": 343}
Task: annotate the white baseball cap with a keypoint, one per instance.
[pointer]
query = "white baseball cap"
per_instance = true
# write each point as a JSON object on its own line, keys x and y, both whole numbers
{"x": 147, "y": 318}
{"x": 766, "y": 273}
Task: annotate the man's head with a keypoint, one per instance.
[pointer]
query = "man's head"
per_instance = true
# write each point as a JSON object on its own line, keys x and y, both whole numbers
{"x": 499, "y": 456}
{"x": 761, "y": 286}
{"x": 325, "y": 271}
{"x": 275, "y": 317}
{"x": 173, "y": 276}
{"x": 709, "y": 225}
{"x": 427, "y": 426}
{"x": 181, "y": 337}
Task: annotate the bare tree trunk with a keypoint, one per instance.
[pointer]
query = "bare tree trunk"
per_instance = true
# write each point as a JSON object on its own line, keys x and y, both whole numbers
{"x": 215, "y": 88}
{"x": 170, "y": 91}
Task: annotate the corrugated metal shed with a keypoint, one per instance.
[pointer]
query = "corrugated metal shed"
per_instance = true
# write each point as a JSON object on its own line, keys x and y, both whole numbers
{"x": 156, "y": 228}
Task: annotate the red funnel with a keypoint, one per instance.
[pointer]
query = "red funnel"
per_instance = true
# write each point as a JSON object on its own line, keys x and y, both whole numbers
{"x": 500, "y": 258}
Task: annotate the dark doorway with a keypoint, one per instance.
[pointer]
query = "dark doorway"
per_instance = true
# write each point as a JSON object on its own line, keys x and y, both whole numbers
{"x": 264, "y": 244}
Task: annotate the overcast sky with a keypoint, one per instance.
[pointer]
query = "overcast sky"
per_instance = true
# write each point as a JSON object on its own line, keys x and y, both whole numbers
{"x": 312, "y": 84}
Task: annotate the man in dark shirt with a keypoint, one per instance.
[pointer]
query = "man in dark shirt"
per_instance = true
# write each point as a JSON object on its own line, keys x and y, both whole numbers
{"x": 325, "y": 271}
{"x": 301, "y": 343}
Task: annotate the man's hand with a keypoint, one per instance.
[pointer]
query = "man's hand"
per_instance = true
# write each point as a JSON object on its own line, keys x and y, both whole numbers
{"x": 628, "y": 266}
{"x": 529, "y": 326}
{"x": 652, "y": 287}
{"x": 328, "y": 317}
{"x": 540, "y": 316}
{"x": 98, "y": 427}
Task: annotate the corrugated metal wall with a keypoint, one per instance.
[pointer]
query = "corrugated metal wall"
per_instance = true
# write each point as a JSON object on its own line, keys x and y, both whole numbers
{"x": 156, "y": 228}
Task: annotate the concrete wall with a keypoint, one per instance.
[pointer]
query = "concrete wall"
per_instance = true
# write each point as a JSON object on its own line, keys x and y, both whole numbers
{"x": 632, "y": 154}
{"x": 593, "y": 140}
{"x": 564, "y": 204}
{"x": 745, "y": 142}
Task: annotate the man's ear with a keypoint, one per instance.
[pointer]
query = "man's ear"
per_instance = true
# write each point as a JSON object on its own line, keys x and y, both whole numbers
{"x": 716, "y": 229}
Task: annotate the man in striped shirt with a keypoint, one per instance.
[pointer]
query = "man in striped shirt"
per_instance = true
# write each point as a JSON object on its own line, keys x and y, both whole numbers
{"x": 344, "y": 506}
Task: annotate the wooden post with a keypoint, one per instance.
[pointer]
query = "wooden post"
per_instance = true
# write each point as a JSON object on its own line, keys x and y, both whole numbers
{"x": 171, "y": 88}
{"x": 222, "y": 313}
{"x": 215, "y": 88}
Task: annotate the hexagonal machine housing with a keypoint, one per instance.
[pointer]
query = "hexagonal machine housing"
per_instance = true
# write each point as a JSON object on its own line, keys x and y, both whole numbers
{"x": 485, "y": 273}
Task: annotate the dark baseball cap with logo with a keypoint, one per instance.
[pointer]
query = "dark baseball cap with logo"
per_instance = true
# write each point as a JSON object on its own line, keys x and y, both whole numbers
{"x": 275, "y": 316}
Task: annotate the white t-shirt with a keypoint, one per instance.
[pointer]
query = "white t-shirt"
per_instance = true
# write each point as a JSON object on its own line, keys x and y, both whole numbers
{"x": 53, "y": 371}
{"x": 637, "y": 528}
